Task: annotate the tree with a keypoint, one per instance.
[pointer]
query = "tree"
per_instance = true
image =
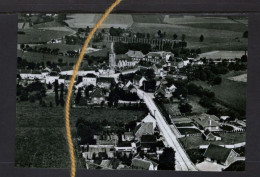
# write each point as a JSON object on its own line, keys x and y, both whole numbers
{"x": 56, "y": 90}
{"x": 61, "y": 94}
{"x": 167, "y": 159}
{"x": 51, "y": 104}
{"x": 175, "y": 36}
{"x": 78, "y": 96}
{"x": 217, "y": 80}
{"x": 245, "y": 34}
{"x": 244, "y": 58}
{"x": 86, "y": 92}
{"x": 32, "y": 98}
{"x": 159, "y": 33}
{"x": 183, "y": 37}
{"x": 24, "y": 95}
{"x": 185, "y": 108}
{"x": 201, "y": 38}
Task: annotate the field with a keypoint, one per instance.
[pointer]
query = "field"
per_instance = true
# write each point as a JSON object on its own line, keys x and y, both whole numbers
{"x": 220, "y": 33}
{"x": 193, "y": 142}
{"x": 40, "y": 132}
{"x": 34, "y": 36}
{"x": 222, "y": 54}
{"x": 184, "y": 131}
{"x": 40, "y": 57}
{"x": 239, "y": 78}
{"x": 84, "y": 20}
{"x": 229, "y": 92}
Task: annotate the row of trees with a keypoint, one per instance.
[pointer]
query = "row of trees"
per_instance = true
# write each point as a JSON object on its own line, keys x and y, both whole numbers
{"x": 122, "y": 48}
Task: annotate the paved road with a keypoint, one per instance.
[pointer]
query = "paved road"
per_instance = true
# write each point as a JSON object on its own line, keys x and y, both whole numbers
{"x": 182, "y": 159}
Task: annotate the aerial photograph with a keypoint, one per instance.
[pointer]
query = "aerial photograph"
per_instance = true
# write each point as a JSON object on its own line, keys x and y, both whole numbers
{"x": 153, "y": 92}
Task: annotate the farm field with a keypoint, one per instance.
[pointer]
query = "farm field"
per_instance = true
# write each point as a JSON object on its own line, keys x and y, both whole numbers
{"x": 222, "y": 54}
{"x": 34, "y": 36}
{"x": 40, "y": 57}
{"x": 84, "y": 20}
{"x": 193, "y": 142}
{"x": 231, "y": 93}
{"x": 221, "y": 37}
{"x": 41, "y": 131}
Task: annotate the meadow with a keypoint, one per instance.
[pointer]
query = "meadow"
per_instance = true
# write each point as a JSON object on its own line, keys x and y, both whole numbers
{"x": 40, "y": 132}
{"x": 229, "y": 92}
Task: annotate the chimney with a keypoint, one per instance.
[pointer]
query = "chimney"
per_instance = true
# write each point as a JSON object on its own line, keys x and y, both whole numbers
{"x": 209, "y": 122}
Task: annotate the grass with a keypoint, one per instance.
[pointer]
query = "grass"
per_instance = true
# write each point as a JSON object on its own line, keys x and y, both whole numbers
{"x": 145, "y": 18}
{"x": 40, "y": 132}
{"x": 187, "y": 131}
{"x": 193, "y": 142}
{"x": 40, "y": 57}
{"x": 184, "y": 125}
{"x": 230, "y": 93}
{"x": 34, "y": 36}
{"x": 221, "y": 36}
{"x": 236, "y": 166}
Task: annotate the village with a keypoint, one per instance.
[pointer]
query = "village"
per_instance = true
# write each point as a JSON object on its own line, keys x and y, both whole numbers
{"x": 185, "y": 124}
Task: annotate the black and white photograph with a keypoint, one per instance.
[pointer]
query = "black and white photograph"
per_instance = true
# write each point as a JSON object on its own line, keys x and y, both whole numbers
{"x": 153, "y": 92}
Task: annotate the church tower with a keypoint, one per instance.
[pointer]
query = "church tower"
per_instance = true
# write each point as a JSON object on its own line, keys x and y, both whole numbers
{"x": 112, "y": 58}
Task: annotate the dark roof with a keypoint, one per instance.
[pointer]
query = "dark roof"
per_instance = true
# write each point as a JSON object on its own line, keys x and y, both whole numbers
{"x": 148, "y": 139}
{"x": 140, "y": 164}
{"x": 106, "y": 79}
{"x": 97, "y": 93}
{"x": 124, "y": 144}
{"x": 137, "y": 77}
{"x": 91, "y": 75}
{"x": 218, "y": 153}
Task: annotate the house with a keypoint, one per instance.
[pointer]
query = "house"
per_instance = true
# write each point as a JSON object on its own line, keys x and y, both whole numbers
{"x": 105, "y": 82}
{"x": 126, "y": 147}
{"x": 136, "y": 80}
{"x": 207, "y": 122}
{"x": 141, "y": 81}
{"x": 110, "y": 139}
{"x": 128, "y": 136}
{"x": 90, "y": 79}
{"x": 150, "y": 119}
{"x": 129, "y": 87}
{"x": 143, "y": 128}
{"x": 143, "y": 164}
{"x": 31, "y": 74}
{"x": 224, "y": 118}
{"x": 135, "y": 55}
{"x": 220, "y": 155}
{"x": 97, "y": 96}
{"x": 164, "y": 91}
{"x": 211, "y": 136}
{"x": 148, "y": 143}
{"x": 97, "y": 149}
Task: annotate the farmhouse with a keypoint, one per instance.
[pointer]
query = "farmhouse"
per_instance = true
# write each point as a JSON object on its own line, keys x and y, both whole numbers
{"x": 105, "y": 82}
{"x": 207, "y": 122}
{"x": 164, "y": 91}
{"x": 220, "y": 155}
{"x": 97, "y": 149}
{"x": 144, "y": 128}
{"x": 149, "y": 119}
{"x": 128, "y": 136}
{"x": 126, "y": 147}
{"x": 97, "y": 96}
{"x": 148, "y": 143}
{"x": 211, "y": 136}
{"x": 143, "y": 164}
{"x": 135, "y": 55}
{"x": 90, "y": 79}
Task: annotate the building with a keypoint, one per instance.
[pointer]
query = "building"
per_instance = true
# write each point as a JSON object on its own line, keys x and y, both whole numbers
{"x": 97, "y": 96}
{"x": 143, "y": 128}
{"x": 112, "y": 59}
{"x": 135, "y": 55}
{"x": 143, "y": 164}
{"x": 128, "y": 136}
{"x": 97, "y": 149}
{"x": 164, "y": 91}
{"x": 207, "y": 122}
{"x": 126, "y": 147}
{"x": 105, "y": 82}
{"x": 150, "y": 119}
{"x": 90, "y": 79}
{"x": 148, "y": 143}
{"x": 220, "y": 155}
{"x": 211, "y": 136}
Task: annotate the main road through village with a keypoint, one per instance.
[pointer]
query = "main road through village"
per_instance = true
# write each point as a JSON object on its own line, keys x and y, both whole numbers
{"x": 183, "y": 162}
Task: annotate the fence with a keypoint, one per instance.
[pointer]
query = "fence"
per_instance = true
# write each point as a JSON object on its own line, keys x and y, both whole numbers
{"x": 230, "y": 146}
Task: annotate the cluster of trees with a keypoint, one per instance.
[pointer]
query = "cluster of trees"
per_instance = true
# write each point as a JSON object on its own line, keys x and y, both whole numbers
{"x": 94, "y": 60}
{"x": 73, "y": 40}
{"x": 113, "y": 96}
{"x": 116, "y": 31}
{"x": 59, "y": 98}
{"x": 98, "y": 38}
{"x": 47, "y": 50}
{"x": 167, "y": 159}
{"x": 143, "y": 35}
{"x": 122, "y": 48}
{"x": 32, "y": 92}
{"x": 86, "y": 130}
{"x": 185, "y": 108}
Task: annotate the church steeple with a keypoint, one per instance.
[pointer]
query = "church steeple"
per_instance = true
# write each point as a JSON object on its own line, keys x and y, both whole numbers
{"x": 112, "y": 58}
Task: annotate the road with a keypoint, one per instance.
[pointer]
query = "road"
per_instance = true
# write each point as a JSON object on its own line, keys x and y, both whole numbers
{"x": 182, "y": 159}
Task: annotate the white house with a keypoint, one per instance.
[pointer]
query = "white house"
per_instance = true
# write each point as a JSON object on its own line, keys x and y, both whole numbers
{"x": 90, "y": 79}
{"x": 149, "y": 118}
